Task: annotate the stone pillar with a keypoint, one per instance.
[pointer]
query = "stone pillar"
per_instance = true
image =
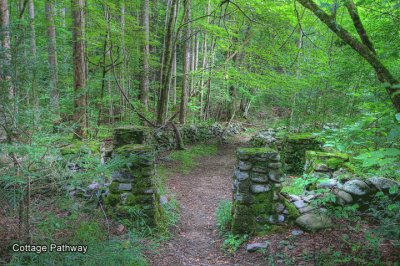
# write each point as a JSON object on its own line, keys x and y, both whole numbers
{"x": 294, "y": 151}
{"x": 256, "y": 186}
{"x": 132, "y": 185}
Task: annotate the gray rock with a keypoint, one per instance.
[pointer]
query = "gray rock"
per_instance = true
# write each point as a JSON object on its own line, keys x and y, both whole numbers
{"x": 306, "y": 209}
{"x": 294, "y": 198}
{"x": 297, "y": 232}
{"x": 163, "y": 200}
{"x": 259, "y": 169}
{"x": 148, "y": 191}
{"x": 276, "y": 176}
{"x": 382, "y": 183}
{"x": 240, "y": 176}
{"x": 260, "y": 188}
{"x": 331, "y": 183}
{"x": 309, "y": 197}
{"x": 125, "y": 186}
{"x": 94, "y": 186}
{"x": 320, "y": 175}
{"x": 276, "y": 196}
{"x": 321, "y": 167}
{"x": 356, "y": 187}
{"x": 299, "y": 204}
{"x": 260, "y": 178}
{"x": 275, "y": 165}
{"x": 244, "y": 165}
{"x": 343, "y": 198}
{"x": 276, "y": 219}
{"x": 257, "y": 246}
{"x": 280, "y": 207}
{"x": 314, "y": 221}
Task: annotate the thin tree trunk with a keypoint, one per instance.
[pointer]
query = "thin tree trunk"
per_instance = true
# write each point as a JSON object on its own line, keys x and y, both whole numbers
{"x": 144, "y": 81}
{"x": 35, "y": 97}
{"x": 52, "y": 59}
{"x": 186, "y": 66}
{"x": 79, "y": 69}
{"x": 162, "y": 108}
{"x": 6, "y": 47}
{"x": 204, "y": 65}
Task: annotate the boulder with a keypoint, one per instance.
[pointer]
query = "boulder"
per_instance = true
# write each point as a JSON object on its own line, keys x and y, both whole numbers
{"x": 343, "y": 198}
{"x": 257, "y": 246}
{"x": 356, "y": 187}
{"x": 314, "y": 221}
{"x": 382, "y": 183}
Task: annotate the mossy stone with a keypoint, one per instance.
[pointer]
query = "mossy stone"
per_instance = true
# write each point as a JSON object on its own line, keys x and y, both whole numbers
{"x": 131, "y": 135}
{"x": 292, "y": 210}
{"x": 112, "y": 199}
{"x": 113, "y": 188}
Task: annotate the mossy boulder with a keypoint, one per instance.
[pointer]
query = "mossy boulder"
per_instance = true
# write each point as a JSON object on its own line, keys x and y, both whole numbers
{"x": 330, "y": 160}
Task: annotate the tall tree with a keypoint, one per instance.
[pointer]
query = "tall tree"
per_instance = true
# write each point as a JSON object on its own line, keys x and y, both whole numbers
{"x": 162, "y": 106}
{"x": 363, "y": 47}
{"x": 52, "y": 59}
{"x": 186, "y": 64}
{"x": 6, "y": 46}
{"x": 79, "y": 68}
{"x": 144, "y": 81}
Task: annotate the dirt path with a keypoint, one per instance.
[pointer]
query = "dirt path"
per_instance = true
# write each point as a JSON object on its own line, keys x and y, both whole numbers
{"x": 196, "y": 240}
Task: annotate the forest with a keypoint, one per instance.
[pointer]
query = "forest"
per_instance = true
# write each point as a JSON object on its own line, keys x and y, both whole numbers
{"x": 199, "y": 132}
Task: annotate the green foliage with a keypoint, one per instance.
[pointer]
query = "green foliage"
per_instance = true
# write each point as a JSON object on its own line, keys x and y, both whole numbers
{"x": 233, "y": 242}
{"x": 188, "y": 158}
{"x": 109, "y": 252}
{"x": 224, "y": 216}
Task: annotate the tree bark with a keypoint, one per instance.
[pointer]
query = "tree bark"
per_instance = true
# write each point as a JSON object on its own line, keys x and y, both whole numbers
{"x": 144, "y": 81}
{"x": 383, "y": 74}
{"x": 186, "y": 65}
{"x": 79, "y": 69}
{"x": 6, "y": 47}
{"x": 35, "y": 97}
{"x": 52, "y": 60}
{"x": 162, "y": 107}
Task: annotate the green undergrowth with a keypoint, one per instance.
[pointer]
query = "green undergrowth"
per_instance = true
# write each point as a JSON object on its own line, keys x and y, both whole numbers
{"x": 189, "y": 158}
{"x": 74, "y": 222}
{"x": 171, "y": 208}
{"x": 224, "y": 220}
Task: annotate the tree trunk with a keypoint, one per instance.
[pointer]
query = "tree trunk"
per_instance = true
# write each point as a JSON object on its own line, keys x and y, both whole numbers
{"x": 363, "y": 48}
{"x": 52, "y": 59}
{"x": 79, "y": 69}
{"x": 186, "y": 65}
{"x": 144, "y": 81}
{"x": 35, "y": 97}
{"x": 6, "y": 46}
{"x": 162, "y": 107}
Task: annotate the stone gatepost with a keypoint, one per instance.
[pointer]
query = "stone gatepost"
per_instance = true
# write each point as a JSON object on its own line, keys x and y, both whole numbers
{"x": 132, "y": 187}
{"x": 294, "y": 151}
{"x": 257, "y": 182}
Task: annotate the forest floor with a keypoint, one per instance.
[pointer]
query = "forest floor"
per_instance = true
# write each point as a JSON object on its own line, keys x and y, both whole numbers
{"x": 196, "y": 240}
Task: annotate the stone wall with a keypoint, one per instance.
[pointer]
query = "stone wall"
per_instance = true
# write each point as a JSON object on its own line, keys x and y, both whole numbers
{"x": 257, "y": 182}
{"x": 326, "y": 164}
{"x": 294, "y": 151}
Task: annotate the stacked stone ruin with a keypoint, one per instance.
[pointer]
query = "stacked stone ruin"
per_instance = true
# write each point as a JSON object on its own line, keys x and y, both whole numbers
{"x": 257, "y": 182}
{"x": 294, "y": 150}
{"x": 258, "y": 202}
{"x": 132, "y": 185}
